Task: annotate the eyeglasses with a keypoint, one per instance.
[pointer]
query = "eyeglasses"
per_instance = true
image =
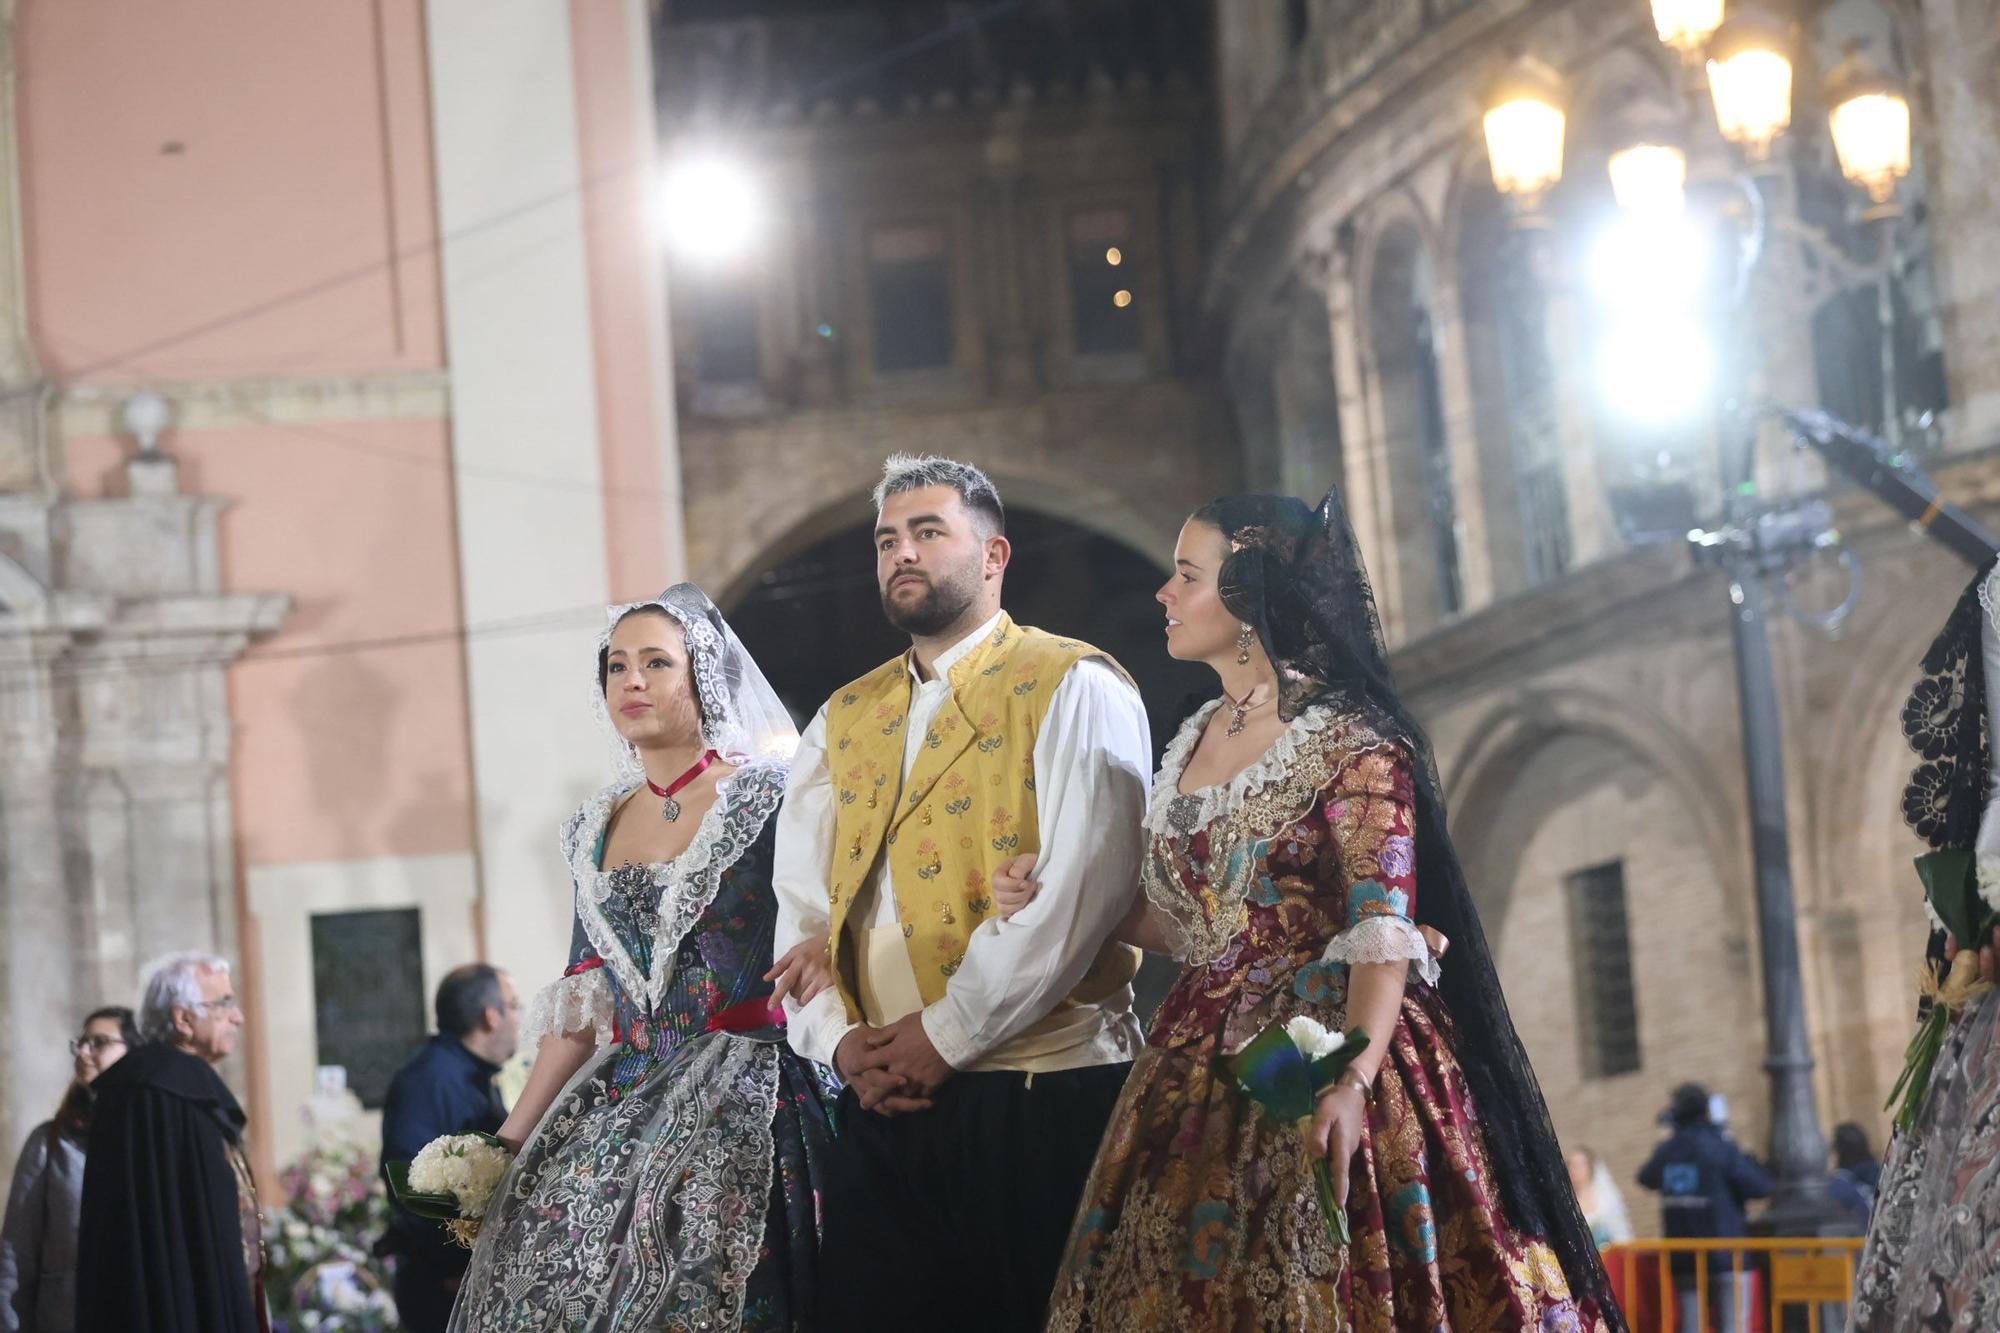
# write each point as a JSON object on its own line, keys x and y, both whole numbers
{"x": 225, "y": 1004}
{"x": 96, "y": 1044}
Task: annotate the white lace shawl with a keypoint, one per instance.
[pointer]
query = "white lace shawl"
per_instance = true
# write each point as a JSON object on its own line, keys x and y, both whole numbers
{"x": 1253, "y": 807}
{"x": 744, "y": 801}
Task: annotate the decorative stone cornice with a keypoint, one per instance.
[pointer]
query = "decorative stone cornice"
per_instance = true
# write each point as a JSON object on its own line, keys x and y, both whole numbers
{"x": 418, "y": 395}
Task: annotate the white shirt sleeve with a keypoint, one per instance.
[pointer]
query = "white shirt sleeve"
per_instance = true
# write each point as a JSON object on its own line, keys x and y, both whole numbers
{"x": 801, "y": 868}
{"x": 1092, "y": 761}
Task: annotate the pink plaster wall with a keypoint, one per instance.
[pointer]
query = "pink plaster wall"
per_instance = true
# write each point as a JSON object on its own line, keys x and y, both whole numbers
{"x": 229, "y": 188}
{"x": 615, "y": 152}
{"x": 338, "y": 753}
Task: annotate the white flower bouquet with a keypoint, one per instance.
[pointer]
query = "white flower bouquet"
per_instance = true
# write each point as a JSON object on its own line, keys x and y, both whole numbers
{"x": 1284, "y": 1069}
{"x": 452, "y": 1181}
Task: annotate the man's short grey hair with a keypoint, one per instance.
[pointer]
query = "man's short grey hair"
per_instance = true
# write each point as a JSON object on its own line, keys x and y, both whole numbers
{"x": 171, "y": 983}
{"x": 913, "y": 472}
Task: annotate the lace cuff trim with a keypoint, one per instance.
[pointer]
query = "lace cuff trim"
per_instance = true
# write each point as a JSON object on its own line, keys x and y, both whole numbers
{"x": 1383, "y": 939}
{"x": 580, "y": 1003}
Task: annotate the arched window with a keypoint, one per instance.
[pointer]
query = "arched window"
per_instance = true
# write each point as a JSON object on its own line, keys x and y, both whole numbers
{"x": 1503, "y": 310}
{"x": 1307, "y": 402}
{"x": 1423, "y": 500}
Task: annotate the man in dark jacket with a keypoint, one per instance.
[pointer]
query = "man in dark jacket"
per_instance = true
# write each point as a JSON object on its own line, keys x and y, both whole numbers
{"x": 446, "y": 1088}
{"x": 169, "y": 1239}
{"x": 1703, "y": 1181}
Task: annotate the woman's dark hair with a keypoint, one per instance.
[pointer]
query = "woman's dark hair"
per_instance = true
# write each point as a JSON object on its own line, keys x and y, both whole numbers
{"x": 1294, "y": 575}
{"x": 72, "y": 1118}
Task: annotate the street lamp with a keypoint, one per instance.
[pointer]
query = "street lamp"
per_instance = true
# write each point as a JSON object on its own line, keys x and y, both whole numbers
{"x": 1750, "y": 82}
{"x": 1523, "y": 124}
{"x": 1649, "y": 178}
{"x": 1686, "y": 25}
{"x": 1870, "y": 121}
{"x": 1750, "y": 79}
{"x": 710, "y": 208}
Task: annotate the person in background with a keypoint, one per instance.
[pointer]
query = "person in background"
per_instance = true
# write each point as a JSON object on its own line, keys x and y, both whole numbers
{"x": 1597, "y": 1194}
{"x": 38, "y": 1239}
{"x": 446, "y": 1088}
{"x": 1704, "y": 1181}
{"x": 1856, "y": 1173}
{"x": 169, "y": 1239}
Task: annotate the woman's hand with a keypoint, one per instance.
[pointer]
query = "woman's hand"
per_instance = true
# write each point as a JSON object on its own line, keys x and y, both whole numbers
{"x": 1989, "y": 956}
{"x": 1336, "y": 1133}
{"x": 804, "y": 971}
{"x": 1012, "y": 889}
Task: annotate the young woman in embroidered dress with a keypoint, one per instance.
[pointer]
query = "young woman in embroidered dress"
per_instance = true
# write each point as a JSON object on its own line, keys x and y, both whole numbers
{"x": 1297, "y": 864}
{"x": 668, "y": 1141}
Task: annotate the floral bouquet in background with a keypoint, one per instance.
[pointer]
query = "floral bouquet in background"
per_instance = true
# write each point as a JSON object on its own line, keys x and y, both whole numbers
{"x": 1961, "y": 902}
{"x": 452, "y": 1181}
{"x": 1285, "y": 1068}
{"x": 321, "y": 1273}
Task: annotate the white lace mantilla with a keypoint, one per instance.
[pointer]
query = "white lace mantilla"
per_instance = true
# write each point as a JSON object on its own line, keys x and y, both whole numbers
{"x": 744, "y": 801}
{"x": 1171, "y": 812}
{"x": 567, "y": 1005}
{"x": 1383, "y": 939}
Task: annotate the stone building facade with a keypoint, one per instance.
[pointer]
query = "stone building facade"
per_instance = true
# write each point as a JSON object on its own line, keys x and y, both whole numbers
{"x": 1379, "y": 320}
{"x": 301, "y": 683}
{"x": 988, "y": 245}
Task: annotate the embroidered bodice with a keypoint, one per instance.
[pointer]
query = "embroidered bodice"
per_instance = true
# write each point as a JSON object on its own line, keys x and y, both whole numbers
{"x": 659, "y": 950}
{"x": 1271, "y": 885}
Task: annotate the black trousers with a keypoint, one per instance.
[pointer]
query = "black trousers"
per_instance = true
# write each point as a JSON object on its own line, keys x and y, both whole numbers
{"x": 956, "y": 1218}
{"x": 424, "y": 1296}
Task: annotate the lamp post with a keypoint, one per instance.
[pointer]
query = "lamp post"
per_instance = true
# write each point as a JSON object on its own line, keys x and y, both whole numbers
{"x": 1749, "y": 66}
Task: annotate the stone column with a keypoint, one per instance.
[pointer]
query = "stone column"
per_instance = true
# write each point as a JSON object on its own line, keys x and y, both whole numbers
{"x": 41, "y": 970}
{"x": 124, "y": 760}
{"x": 1958, "y": 131}
{"x": 1364, "y": 455}
{"x": 24, "y": 460}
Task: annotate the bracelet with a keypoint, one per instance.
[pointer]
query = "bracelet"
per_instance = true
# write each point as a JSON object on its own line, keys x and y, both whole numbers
{"x": 1359, "y": 1081}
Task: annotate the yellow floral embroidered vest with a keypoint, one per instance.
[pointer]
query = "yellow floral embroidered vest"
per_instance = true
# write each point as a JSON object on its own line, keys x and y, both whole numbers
{"x": 968, "y": 808}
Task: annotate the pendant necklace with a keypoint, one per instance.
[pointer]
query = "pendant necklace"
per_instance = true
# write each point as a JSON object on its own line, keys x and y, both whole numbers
{"x": 672, "y": 809}
{"x": 1237, "y": 709}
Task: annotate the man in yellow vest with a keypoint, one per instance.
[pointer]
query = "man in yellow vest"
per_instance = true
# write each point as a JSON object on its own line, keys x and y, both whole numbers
{"x": 982, "y": 1056}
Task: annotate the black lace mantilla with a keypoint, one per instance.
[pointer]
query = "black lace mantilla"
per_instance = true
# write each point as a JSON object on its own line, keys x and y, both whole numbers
{"x": 1296, "y": 577}
{"x": 1944, "y": 720}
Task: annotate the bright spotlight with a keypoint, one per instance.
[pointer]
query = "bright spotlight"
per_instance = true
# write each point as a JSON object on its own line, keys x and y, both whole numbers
{"x": 710, "y": 209}
{"x": 1656, "y": 263}
{"x": 1657, "y": 367}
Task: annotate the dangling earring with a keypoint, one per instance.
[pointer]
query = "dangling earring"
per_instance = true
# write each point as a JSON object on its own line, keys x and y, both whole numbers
{"x": 1243, "y": 642}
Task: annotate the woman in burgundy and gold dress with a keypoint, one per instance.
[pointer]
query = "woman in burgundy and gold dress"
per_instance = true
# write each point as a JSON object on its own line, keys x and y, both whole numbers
{"x": 1298, "y": 864}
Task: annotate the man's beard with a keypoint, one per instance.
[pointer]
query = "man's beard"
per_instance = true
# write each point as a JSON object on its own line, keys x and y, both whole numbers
{"x": 938, "y": 609}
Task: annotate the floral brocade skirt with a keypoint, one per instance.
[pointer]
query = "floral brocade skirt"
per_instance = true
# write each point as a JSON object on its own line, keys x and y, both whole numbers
{"x": 682, "y": 1200}
{"x": 1201, "y": 1212}
{"x": 1932, "y": 1261}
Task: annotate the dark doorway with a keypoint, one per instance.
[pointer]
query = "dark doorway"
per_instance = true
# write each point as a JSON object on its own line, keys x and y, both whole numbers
{"x": 815, "y": 622}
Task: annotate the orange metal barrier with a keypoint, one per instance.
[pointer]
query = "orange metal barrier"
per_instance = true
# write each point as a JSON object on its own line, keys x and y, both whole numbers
{"x": 1761, "y": 1276}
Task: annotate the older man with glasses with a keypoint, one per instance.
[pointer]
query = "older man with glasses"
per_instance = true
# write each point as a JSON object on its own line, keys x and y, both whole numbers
{"x": 170, "y": 1240}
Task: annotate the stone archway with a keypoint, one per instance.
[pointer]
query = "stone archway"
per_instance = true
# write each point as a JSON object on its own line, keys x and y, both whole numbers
{"x": 1126, "y": 464}
{"x": 1579, "y": 847}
